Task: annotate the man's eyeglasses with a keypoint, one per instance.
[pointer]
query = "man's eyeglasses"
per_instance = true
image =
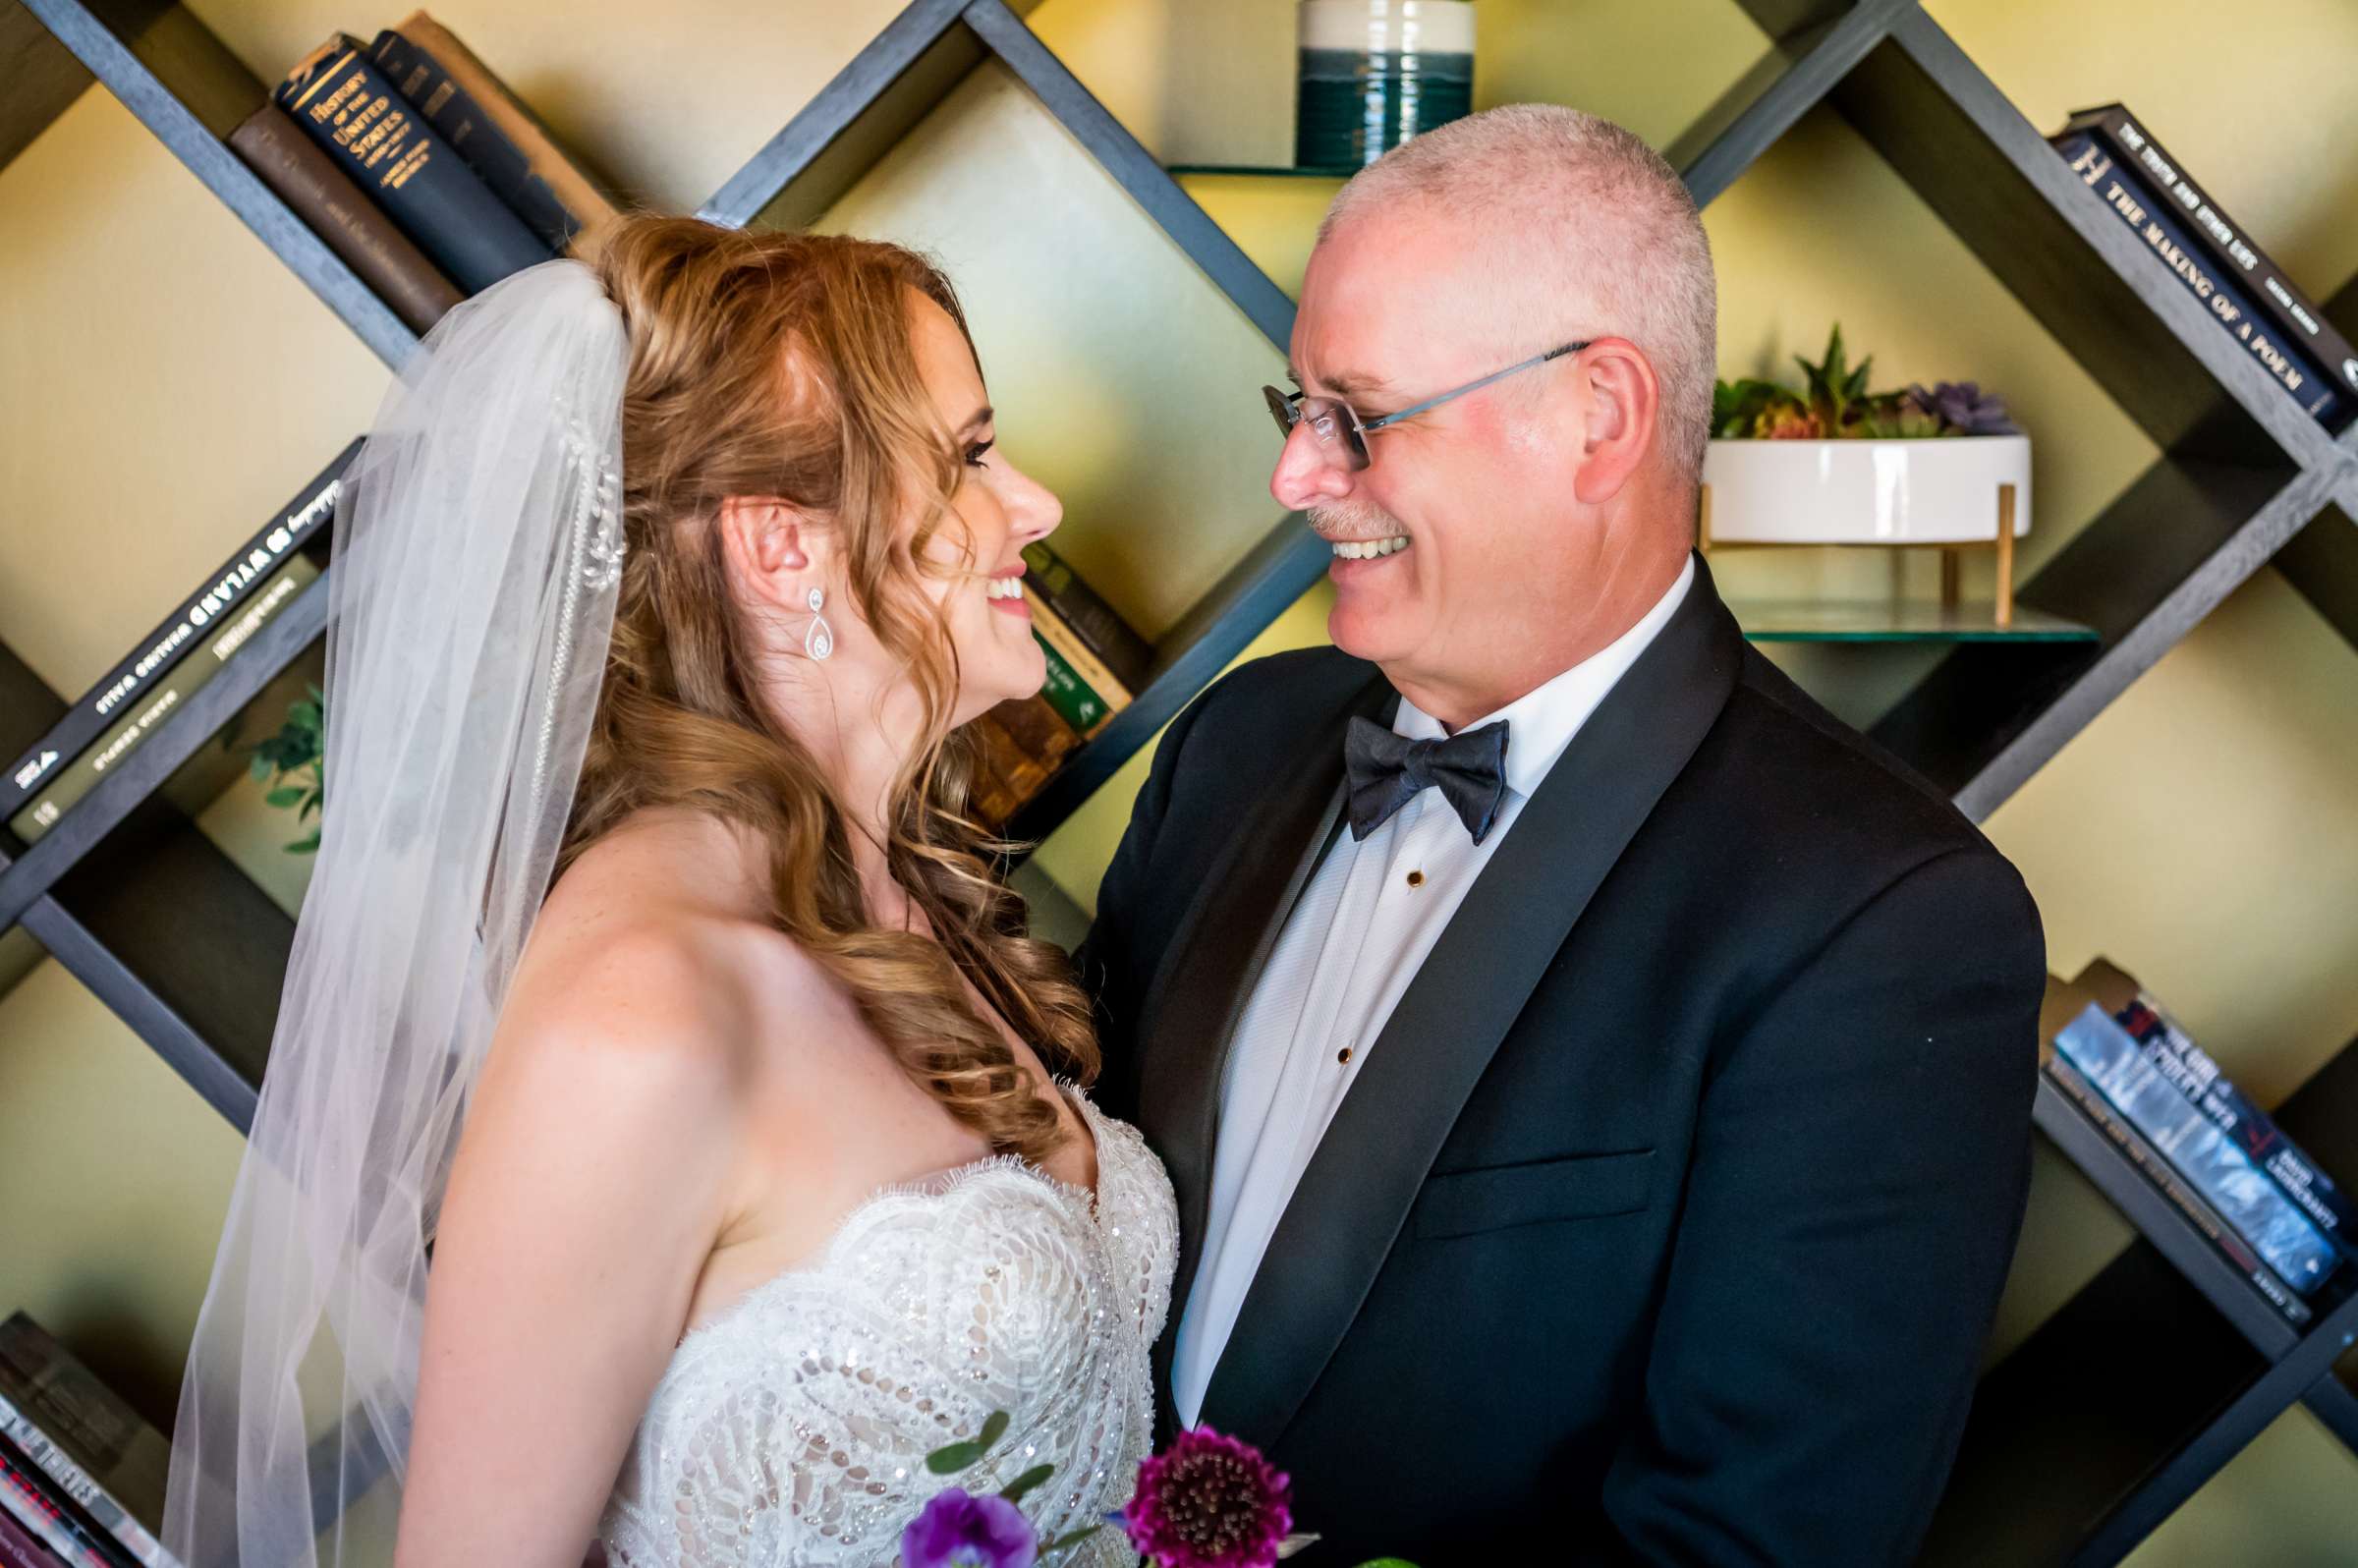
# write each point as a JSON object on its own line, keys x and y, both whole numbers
{"x": 1342, "y": 433}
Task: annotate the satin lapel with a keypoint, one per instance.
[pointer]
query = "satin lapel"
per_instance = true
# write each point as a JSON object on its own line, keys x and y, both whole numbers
{"x": 1219, "y": 946}
{"x": 1352, "y": 1199}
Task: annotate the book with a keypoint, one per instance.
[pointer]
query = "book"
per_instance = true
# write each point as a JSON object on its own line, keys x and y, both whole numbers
{"x": 325, "y": 197}
{"x": 62, "y": 1523}
{"x": 2155, "y": 222}
{"x": 160, "y": 650}
{"x": 2295, "y": 314}
{"x": 84, "y": 1438}
{"x": 2157, "y": 1170}
{"x": 345, "y": 104}
{"x": 2189, "y": 1069}
{"x": 162, "y": 697}
{"x": 2219, "y": 1171}
{"x": 1125, "y": 654}
{"x": 20, "y": 1547}
{"x": 453, "y": 112}
{"x": 1082, "y": 707}
{"x": 1019, "y": 746}
{"x": 576, "y": 190}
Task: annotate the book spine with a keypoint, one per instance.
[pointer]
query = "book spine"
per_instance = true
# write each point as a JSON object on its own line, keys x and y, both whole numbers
{"x": 1070, "y": 696}
{"x": 486, "y": 148}
{"x": 99, "y": 707}
{"x": 63, "y": 1524}
{"x": 163, "y": 699}
{"x": 353, "y": 227}
{"x": 1018, "y": 746}
{"x": 2189, "y": 1069}
{"x": 2295, "y": 314}
{"x": 573, "y": 185}
{"x": 2146, "y": 216}
{"x": 345, "y": 104}
{"x": 89, "y": 1427}
{"x": 2219, "y": 1171}
{"x": 20, "y": 1547}
{"x": 81, "y": 1486}
{"x": 2156, "y": 1169}
{"x": 1057, "y": 633}
{"x": 1123, "y": 652}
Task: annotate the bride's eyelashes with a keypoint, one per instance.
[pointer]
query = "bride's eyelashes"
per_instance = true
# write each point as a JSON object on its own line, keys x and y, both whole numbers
{"x": 976, "y": 453}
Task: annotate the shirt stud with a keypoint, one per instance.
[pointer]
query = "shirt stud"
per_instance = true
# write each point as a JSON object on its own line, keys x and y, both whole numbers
{"x": 1416, "y": 878}
{"x": 1343, "y": 1056}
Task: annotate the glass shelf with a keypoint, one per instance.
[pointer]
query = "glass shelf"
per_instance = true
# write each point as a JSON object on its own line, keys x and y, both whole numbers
{"x": 1260, "y": 171}
{"x": 1898, "y": 621}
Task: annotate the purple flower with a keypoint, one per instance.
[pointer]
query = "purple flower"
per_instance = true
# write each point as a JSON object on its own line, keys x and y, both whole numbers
{"x": 1965, "y": 408}
{"x": 957, "y": 1531}
{"x": 1209, "y": 1501}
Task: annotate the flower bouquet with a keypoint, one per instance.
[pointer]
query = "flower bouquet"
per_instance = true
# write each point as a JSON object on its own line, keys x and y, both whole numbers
{"x": 1207, "y": 1501}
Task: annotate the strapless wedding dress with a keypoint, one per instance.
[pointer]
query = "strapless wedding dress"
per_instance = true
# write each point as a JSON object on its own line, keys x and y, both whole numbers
{"x": 791, "y": 1431}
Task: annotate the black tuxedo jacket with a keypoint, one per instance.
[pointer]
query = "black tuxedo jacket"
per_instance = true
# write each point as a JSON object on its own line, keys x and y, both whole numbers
{"x": 1669, "y": 1209}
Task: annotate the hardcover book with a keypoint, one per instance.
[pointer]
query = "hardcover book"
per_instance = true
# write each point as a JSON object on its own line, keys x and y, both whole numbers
{"x": 2227, "y": 242}
{"x": 345, "y": 104}
{"x": 290, "y": 164}
{"x": 579, "y": 194}
{"x": 101, "y": 708}
{"x": 20, "y": 1547}
{"x": 2219, "y": 1171}
{"x": 84, "y": 1438}
{"x": 471, "y": 133}
{"x": 1125, "y": 655}
{"x": 1018, "y": 748}
{"x": 62, "y": 1523}
{"x": 165, "y": 697}
{"x": 2156, "y": 222}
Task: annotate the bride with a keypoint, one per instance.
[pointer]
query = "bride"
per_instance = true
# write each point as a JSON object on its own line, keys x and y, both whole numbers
{"x": 762, "y": 1169}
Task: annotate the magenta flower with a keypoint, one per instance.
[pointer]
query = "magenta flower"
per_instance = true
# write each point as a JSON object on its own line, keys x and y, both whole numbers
{"x": 1209, "y": 1501}
{"x": 957, "y": 1531}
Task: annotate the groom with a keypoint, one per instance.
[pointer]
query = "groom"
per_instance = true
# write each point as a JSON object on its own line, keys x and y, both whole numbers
{"x": 1596, "y": 1080}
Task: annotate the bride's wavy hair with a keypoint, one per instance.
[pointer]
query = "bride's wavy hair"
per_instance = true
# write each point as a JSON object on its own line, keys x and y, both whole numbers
{"x": 780, "y": 364}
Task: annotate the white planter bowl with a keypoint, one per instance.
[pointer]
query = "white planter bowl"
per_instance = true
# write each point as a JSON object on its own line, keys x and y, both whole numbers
{"x": 1934, "y": 491}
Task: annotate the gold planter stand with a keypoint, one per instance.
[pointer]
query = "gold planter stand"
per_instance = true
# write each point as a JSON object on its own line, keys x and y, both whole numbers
{"x": 2003, "y": 544}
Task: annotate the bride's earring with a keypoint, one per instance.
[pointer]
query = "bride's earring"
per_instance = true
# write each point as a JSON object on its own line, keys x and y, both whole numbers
{"x": 819, "y": 640}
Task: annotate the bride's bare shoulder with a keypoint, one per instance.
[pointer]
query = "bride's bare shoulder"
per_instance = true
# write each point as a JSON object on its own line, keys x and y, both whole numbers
{"x": 651, "y": 940}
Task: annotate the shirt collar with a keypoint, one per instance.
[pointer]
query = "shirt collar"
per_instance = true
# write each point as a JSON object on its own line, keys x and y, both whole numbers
{"x": 1542, "y": 722}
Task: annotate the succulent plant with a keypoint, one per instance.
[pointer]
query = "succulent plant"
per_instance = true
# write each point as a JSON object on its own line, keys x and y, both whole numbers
{"x": 1834, "y": 402}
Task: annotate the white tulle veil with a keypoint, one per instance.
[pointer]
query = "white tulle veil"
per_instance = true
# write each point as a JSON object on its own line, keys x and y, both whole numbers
{"x": 478, "y": 546}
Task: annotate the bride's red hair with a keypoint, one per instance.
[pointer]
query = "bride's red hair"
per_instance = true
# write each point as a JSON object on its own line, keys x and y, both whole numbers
{"x": 780, "y": 364}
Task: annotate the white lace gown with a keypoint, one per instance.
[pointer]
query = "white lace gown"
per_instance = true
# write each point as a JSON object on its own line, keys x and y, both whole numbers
{"x": 791, "y": 1431}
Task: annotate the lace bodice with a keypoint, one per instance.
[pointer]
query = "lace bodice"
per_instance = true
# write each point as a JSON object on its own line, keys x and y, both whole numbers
{"x": 791, "y": 1431}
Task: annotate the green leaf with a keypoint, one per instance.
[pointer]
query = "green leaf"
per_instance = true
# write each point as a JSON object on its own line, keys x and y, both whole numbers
{"x": 306, "y": 846}
{"x": 305, "y": 714}
{"x": 1387, "y": 1562}
{"x": 284, "y": 796}
{"x": 259, "y": 767}
{"x": 1015, "y": 1489}
{"x": 1072, "y": 1538}
{"x": 317, "y": 695}
{"x": 954, "y": 1457}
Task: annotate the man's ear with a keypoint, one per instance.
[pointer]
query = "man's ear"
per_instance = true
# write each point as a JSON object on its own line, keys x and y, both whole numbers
{"x": 763, "y": 541}
{"x": 1623, "y": 406}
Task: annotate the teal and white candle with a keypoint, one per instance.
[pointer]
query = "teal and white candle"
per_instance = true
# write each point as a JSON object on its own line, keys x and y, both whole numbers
{"x": 1375, "y": 73}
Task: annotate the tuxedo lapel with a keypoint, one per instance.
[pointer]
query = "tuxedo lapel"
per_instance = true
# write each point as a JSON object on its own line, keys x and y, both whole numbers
{"x": 1352, "y": 1199}
{"x": 1217, "y": 953}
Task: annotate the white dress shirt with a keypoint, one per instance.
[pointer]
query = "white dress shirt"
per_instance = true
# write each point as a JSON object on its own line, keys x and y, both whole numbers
{"x": 1358, "y": 933}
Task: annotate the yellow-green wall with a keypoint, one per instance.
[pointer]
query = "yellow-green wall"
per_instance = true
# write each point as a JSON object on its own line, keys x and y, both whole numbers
{"x": 164, "y": 382}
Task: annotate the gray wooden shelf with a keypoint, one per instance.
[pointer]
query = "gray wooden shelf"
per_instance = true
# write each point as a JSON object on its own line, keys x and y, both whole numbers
{"x": 2118, "y": 1406}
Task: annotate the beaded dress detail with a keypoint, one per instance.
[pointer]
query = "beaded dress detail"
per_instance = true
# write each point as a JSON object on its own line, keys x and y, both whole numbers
{"x": 791, "y": 1431}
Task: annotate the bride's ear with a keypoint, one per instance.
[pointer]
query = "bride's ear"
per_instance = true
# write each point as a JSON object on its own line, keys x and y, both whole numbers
{"x": 768, "y": 546}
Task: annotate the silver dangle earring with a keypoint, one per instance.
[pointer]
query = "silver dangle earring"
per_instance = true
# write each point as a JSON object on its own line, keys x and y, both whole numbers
{"x": 819, "y": 640}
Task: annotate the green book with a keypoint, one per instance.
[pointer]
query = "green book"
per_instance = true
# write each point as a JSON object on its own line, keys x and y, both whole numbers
{"x": 1070, "y": 696}
{"x": 166, "y": 697}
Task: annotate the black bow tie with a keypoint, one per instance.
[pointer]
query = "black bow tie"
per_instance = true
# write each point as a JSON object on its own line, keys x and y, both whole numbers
{"x": 1386, "y": 771}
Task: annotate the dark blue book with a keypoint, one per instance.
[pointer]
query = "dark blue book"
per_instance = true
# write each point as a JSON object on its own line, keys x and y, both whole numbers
{"x": 2189, "y": 1069}
{"x": 155, "y": 654}
{"x": 373, "y": 134}
{"x": 2213, "y": 1164}
{"x": 460, "y": 121}
{"x": 2155, "y": 221}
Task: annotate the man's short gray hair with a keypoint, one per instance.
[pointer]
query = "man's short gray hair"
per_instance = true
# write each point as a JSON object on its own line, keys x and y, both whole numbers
{"x": 1587, "y": 233}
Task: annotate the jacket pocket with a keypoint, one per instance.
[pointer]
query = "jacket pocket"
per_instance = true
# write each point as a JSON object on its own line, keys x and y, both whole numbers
{"x": 1577, "y": 1186}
